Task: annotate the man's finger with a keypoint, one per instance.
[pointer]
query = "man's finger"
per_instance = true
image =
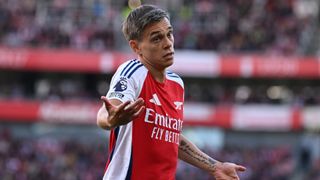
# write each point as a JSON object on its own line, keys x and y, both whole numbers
{"x": 106, "y": 102}
{"x": 136, "y": 103}
{"x": 226, "y": 177}
{"x": 123, "y": 105}
{"x": 234, "y": 176}
{"x": 240, "y": 168}
{"x": 133, "y": 110}
{"x": 134, "y": 107}
{"x": 140, "y": 110}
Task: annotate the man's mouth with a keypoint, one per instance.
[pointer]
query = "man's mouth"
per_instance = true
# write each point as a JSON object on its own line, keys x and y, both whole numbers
{"x": 169, "y": 54}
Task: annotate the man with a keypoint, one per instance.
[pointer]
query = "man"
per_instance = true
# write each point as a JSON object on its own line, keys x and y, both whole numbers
{"x": 144, "y": 108}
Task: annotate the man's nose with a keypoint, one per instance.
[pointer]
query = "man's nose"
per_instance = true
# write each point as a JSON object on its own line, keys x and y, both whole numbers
{"x": 168, "y": 43}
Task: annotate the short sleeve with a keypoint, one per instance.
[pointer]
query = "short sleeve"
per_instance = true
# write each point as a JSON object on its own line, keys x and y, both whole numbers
{"x": 124, "y": 84}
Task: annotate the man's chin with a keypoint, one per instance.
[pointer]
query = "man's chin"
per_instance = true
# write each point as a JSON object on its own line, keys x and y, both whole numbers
{"x": 169, "y": 62}
{"x": 165, "y": 64}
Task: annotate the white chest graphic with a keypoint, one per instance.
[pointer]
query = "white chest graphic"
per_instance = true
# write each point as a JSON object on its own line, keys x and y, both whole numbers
{"x": 178, "y": 104}
{"x": 155, "y": 100}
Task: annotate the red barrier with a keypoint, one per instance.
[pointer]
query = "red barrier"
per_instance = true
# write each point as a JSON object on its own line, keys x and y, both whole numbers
{"x": 187, "y": 63}
{"x": 58, "y": 60}
{"x": 26, "y": 111}
{"x": 244, "y": 117}
{"x": 68, "y": 112}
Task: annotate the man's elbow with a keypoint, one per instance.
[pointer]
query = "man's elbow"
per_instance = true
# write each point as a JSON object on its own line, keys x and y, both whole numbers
{"x": 102, "y": 121}
{"x": 104, "y": 125}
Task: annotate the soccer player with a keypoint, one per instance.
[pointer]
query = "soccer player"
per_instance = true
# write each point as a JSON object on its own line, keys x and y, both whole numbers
{"x": 144, "y": 108}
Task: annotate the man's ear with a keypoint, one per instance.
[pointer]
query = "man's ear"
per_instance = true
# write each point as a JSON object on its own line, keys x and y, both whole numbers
{"x": 135, "y": 46}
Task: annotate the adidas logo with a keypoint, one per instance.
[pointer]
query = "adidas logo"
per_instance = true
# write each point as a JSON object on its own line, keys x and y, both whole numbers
{"x": 155, "y": 100}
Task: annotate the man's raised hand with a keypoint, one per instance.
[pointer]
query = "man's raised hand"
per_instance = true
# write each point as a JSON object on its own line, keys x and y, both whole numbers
{"x": 122, "y": 113}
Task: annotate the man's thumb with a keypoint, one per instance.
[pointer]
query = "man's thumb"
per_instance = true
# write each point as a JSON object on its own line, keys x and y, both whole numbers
{"x": 240, "y": 168}
{"x": 106, "y": 102}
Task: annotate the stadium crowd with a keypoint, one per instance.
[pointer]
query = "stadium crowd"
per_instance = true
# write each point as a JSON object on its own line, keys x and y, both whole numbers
{"x": 262, "y": 92}
{"x": 259, "y": 26}
{"x": 213, "y": 91}
{"x": 264, "y": 26}
{"x": 237, "y": 26}
{"x": 50, "y": 158}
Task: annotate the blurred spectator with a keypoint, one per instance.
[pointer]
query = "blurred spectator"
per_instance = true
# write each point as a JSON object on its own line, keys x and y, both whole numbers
{"x": 43, "y": 87}
{"x": 48, "y": 158}
{"x": 264, "y": 26}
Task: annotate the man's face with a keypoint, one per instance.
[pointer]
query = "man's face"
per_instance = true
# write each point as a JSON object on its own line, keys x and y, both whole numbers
{"x": 156, "y": 45}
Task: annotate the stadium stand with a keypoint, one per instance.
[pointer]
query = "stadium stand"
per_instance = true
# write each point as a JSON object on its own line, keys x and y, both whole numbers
{"x": 256, "y": 84}
{"x": 227, "y": 26}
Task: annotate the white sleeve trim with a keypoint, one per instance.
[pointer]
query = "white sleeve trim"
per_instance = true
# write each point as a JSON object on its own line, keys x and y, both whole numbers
{"x": 175, "y": 77}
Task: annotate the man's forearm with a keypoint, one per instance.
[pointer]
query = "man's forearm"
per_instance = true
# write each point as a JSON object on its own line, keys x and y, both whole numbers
{"x": 102, "y": 117}
{"x": 189, "y": 153}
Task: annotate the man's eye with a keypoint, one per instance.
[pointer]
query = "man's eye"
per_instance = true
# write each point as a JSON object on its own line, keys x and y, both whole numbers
{"x": 155, "y": 39}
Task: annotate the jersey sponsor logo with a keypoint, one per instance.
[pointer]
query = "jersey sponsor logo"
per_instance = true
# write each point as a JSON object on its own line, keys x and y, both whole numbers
{"x": 178, "y": 104}
{"x": 155, "y": 100}
{"x": 116, "y": 95}
{"x": 166, "y": 128}
{"x": 121, "y": 84}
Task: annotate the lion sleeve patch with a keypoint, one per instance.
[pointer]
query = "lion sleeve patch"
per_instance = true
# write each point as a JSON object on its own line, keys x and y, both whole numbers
{"x": 121, "y": 85}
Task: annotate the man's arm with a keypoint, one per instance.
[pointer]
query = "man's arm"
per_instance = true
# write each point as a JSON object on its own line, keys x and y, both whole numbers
{"x": 191, "y": 154}
{"x": 114, "y": 113}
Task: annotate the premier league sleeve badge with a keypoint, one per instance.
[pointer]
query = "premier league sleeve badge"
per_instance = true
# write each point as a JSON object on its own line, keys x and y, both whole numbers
{"x": 121, "y": 85}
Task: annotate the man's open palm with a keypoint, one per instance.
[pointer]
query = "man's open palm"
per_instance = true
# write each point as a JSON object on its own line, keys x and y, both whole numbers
{"x": 227, "y": 171}
{"x": 123, "y": 113}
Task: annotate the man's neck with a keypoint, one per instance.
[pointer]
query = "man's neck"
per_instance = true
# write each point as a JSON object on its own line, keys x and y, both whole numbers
{"x": 158, "y": 75}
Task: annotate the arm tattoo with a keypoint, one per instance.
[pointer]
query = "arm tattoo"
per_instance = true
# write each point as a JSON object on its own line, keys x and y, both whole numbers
{"x": 196, "y": 155}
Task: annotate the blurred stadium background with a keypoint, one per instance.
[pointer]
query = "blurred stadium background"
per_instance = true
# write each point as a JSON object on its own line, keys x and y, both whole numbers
{"x": 251, "y": 70}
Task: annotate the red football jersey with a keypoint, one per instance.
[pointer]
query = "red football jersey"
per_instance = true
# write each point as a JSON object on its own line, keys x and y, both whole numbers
{"x": 147, "y": 147}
